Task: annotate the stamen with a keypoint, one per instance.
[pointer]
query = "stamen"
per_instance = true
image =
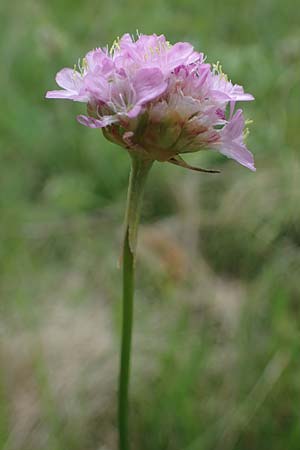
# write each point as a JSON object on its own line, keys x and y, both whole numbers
{"x": 115, "y": 46}
{"x": 246, "y": 133}
{"x": 218, "y": 70}
{"x": 74, "y": 72}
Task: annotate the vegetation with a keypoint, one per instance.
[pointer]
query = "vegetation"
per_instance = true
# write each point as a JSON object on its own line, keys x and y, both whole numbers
{"x": 217, "y": 325}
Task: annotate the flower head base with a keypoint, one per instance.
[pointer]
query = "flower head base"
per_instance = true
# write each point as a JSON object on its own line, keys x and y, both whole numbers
{"x": 158, "y": 100}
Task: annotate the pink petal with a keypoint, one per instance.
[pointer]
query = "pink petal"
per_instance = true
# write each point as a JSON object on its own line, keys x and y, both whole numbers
{"x": 97, "y": 86}
{"x": 65, "y": 78}
{"x": 60, "y": 94}
{"x": 237, "y": 93}
{"x": 134, "y": 112}
{"x": 67, "y": 95}
{"x": 231, "y": 143}
{"x": 240, "y": 153}
{"x": 181, "y": 53}
{"x": 234, "y": 128}
{"x": 148, "y": 84}
{"x": 220, "y": 96}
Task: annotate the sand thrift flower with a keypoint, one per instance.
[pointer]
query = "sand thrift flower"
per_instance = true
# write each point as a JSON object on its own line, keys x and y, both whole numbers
{"x": 157, "y": 101}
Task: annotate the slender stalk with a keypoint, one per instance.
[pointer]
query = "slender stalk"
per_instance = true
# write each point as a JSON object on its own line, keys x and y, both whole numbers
{"x": 139, "y": 170}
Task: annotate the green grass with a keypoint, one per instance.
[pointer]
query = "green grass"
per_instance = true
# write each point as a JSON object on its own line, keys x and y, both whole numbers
{"x": 217, "y": 326}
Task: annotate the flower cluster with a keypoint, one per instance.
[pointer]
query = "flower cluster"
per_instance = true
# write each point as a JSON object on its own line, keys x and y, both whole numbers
{"x": 158, "y": 99}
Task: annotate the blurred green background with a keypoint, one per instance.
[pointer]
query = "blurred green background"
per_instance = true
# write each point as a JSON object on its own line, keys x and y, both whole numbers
{"x": 216, "y": 362}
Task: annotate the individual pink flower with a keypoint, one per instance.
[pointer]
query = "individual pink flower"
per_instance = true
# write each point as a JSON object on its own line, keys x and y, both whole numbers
{"x": 73, "y": 86}
{"x": 159, "y": 100}
{"x": 231, "y": 141}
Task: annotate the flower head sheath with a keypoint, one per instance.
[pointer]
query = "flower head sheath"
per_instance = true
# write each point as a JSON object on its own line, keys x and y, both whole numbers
{"x": 158, "y": 99}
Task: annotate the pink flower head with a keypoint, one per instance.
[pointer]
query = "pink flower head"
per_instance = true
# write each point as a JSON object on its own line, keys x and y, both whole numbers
{"x": 158, "y": 99}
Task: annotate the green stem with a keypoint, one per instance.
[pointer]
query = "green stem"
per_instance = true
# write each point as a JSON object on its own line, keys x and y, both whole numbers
{"x": 139, "y": 170}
